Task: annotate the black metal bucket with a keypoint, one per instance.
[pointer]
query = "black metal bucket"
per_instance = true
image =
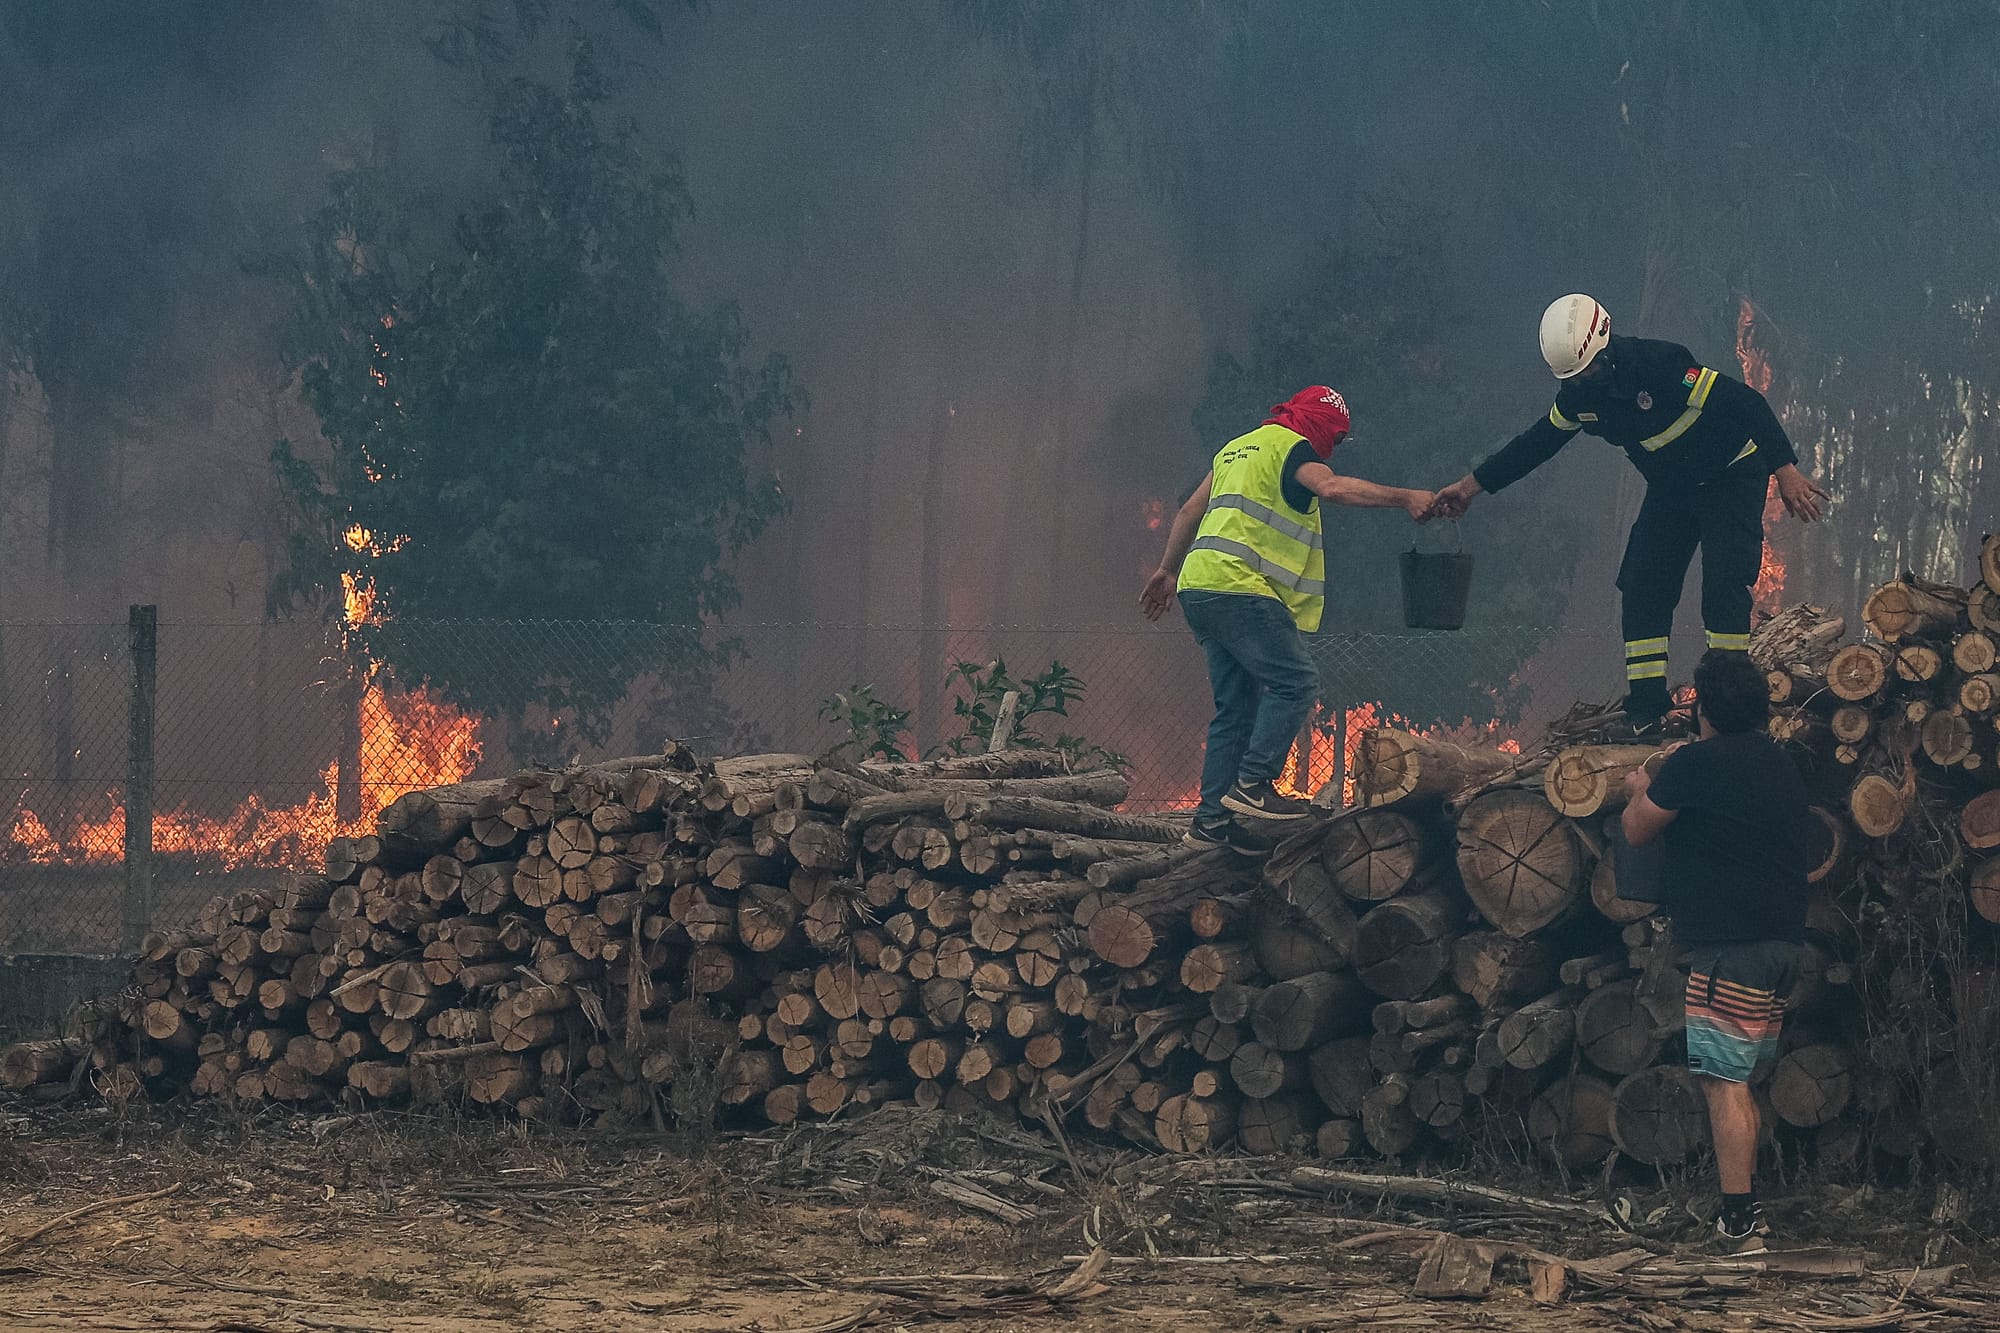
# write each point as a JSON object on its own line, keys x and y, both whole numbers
{"x": 1435, "y": 587}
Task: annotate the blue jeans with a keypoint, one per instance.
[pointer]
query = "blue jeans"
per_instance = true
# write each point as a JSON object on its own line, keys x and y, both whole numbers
{"x": 1264, "y": 688}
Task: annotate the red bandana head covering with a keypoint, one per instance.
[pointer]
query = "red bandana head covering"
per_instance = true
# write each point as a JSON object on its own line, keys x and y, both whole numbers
{"x": 1318, "y": 413}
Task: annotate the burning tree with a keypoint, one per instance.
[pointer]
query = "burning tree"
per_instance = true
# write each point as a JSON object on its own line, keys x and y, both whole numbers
{"x": 522, "y": 418}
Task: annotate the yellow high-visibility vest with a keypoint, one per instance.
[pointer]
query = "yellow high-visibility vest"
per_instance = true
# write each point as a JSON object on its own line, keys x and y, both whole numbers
{"x": 1250, "y": 540}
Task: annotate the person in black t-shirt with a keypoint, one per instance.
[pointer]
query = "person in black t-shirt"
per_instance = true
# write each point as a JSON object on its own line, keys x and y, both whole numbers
{"x": 1732, "y": 808}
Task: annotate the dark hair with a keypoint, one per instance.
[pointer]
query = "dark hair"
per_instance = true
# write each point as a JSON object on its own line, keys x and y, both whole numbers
{"x": 1731, "y": 692}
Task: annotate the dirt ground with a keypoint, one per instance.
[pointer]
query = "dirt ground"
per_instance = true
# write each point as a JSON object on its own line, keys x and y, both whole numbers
{"x": 279, "y": 1223}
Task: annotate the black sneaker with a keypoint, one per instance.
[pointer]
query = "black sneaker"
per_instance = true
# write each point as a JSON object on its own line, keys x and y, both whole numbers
{"x": 1205, "y": 834}
{"x": 1263, "y": 801}
{"x": 1636, "y": 731}
{"x": 1749, "y": 1239}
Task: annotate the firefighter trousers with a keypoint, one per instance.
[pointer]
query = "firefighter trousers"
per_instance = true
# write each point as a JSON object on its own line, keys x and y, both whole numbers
{"x": 1725, "y": 519}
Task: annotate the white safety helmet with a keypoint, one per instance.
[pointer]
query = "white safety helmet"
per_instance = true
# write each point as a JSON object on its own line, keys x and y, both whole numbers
{"x": 1574, "y": 330}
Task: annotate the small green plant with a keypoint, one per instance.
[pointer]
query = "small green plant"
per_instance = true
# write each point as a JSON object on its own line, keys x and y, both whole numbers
{"x": 984, "y": 692}
{"x": 876, "y": 726}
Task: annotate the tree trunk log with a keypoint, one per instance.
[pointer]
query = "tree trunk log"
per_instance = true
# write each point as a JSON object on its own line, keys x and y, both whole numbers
{"x": 1498, "y": 970}
{"x": 1521, "y": 861}
{"x": 1658, "y": 1117}
{"x": 1618, "y": 1029}
{"x": 1393, "y": 765}
{"x": 1311, "y": 1011}
{"x": 1375, "y": 856}
{"x": 1571, "y": 1121}
{"x": 1858, "y": 672}
{"x": 1813, "y": 1084}
{"x": 1405, "y": 945}
{"x": 1585, "y": 779}
{"x": 1902, "y": 610}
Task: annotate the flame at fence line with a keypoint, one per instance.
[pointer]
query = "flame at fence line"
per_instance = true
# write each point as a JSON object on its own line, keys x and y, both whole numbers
{"x": 409, "y": 739}
{"x": 1330, "y": 757}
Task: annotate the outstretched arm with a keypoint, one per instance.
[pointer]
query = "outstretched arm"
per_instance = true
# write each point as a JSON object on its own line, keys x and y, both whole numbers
{"x": 1334, "y": 488}
{"x": 1159, "y": 589}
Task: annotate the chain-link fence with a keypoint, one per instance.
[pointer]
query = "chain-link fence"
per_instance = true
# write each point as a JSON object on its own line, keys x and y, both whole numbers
{"x": 268, "y": 739}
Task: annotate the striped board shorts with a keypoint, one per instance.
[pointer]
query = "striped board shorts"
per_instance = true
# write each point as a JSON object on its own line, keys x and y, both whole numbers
{"x": 1736, "y": 1006}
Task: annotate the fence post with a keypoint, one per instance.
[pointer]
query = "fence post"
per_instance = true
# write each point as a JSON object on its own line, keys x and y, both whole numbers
{"x": 143, "y": 627}
{"x": 1340, "y": 754}
{"x": 347, "y": 781}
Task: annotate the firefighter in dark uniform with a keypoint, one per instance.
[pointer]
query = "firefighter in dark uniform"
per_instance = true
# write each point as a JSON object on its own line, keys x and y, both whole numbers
{"x": 1706, "y": 445}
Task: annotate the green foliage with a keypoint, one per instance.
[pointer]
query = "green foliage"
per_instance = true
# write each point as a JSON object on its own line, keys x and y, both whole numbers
{"x": 983, "y": 693}
{"x": 1373, "y": 316}
{"x": 521, "y": 419}
{"x": 876, "y": 726}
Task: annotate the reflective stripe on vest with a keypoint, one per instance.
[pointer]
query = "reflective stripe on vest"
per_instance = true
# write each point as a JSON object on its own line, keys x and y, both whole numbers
{"x": 1697, "y": 399}
{"x": 1250, "y": 541}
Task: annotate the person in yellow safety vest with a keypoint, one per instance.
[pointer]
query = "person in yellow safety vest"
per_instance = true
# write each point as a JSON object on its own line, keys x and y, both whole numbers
{"x": 1246, "y": 558}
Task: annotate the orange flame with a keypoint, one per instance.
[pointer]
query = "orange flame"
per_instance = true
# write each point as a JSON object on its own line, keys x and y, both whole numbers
{"x": 1154, "y": 511}
{"x": 1768, "y": 593}
{"x": 409, "y": 740}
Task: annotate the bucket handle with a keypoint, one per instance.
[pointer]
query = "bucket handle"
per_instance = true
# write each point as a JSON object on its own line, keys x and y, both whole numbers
{"x": 1458, "y": 535}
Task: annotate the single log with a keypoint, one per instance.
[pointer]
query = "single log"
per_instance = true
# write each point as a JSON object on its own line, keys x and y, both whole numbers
{"x": 1269, "y": 1125}
{"x": 1438, "y": 1098}
{"x": 1620, "y": 1029}
{"x": 1586, "y": 779}
{"x": 1317, "y": 907}
{"x": 1979, "y": 821}
{"x": 1906, "y": 610}
{"x": 1374, "y": 856}
{"x": 1408, "y": 1015}
{"x": 1339, "y": 1138}
{"x": 1858, "y": 671}
{"x": 1791, "y": 688}
{"x": 1877, "y": 806}
{"x": 1498, "y": 970}
{"x": 1813, "y": 1084}
{"x": 1570, "y": 1121}
{"x": 1214, "y": 1040}
{"x": 1259, "y": 1071}
{"x": 1341, "y": 1075}
{"x": 1980, "y": 694}
{"x": 1285, "y": 949}
{"x": 1062, "y": 817}
{"x": 1392, "y": 765}
{"x": 1522, "y": 863}
{"x": 1533, "y": 1036}
{"x": 1131, "y": 869}
{"x": 500, "y": 1078}
{"x": 1947, "y": 737}
{"x": 28, "y": 1063}
{"x": 1129, "y": 930}
{"x": 1404, "y": 945}
{"x": 1310, "y": 1011}
{"x": 1974, "y": 652}
{"x": 1186, "y": 1124}
{"x": 1208, "y": 966}
{"x": 1657, "y": 1116}
{"x": 1387, "y": 1122}
{"x": 436, "y": 816}
{"x": 1917, "y": 662}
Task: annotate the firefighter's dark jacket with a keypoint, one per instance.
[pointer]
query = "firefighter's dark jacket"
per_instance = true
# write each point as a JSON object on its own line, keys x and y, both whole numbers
{"x": 1679, "y": 422}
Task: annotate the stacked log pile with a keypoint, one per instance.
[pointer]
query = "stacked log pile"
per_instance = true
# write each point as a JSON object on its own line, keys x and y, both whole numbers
{"x": 788, "y": 939}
